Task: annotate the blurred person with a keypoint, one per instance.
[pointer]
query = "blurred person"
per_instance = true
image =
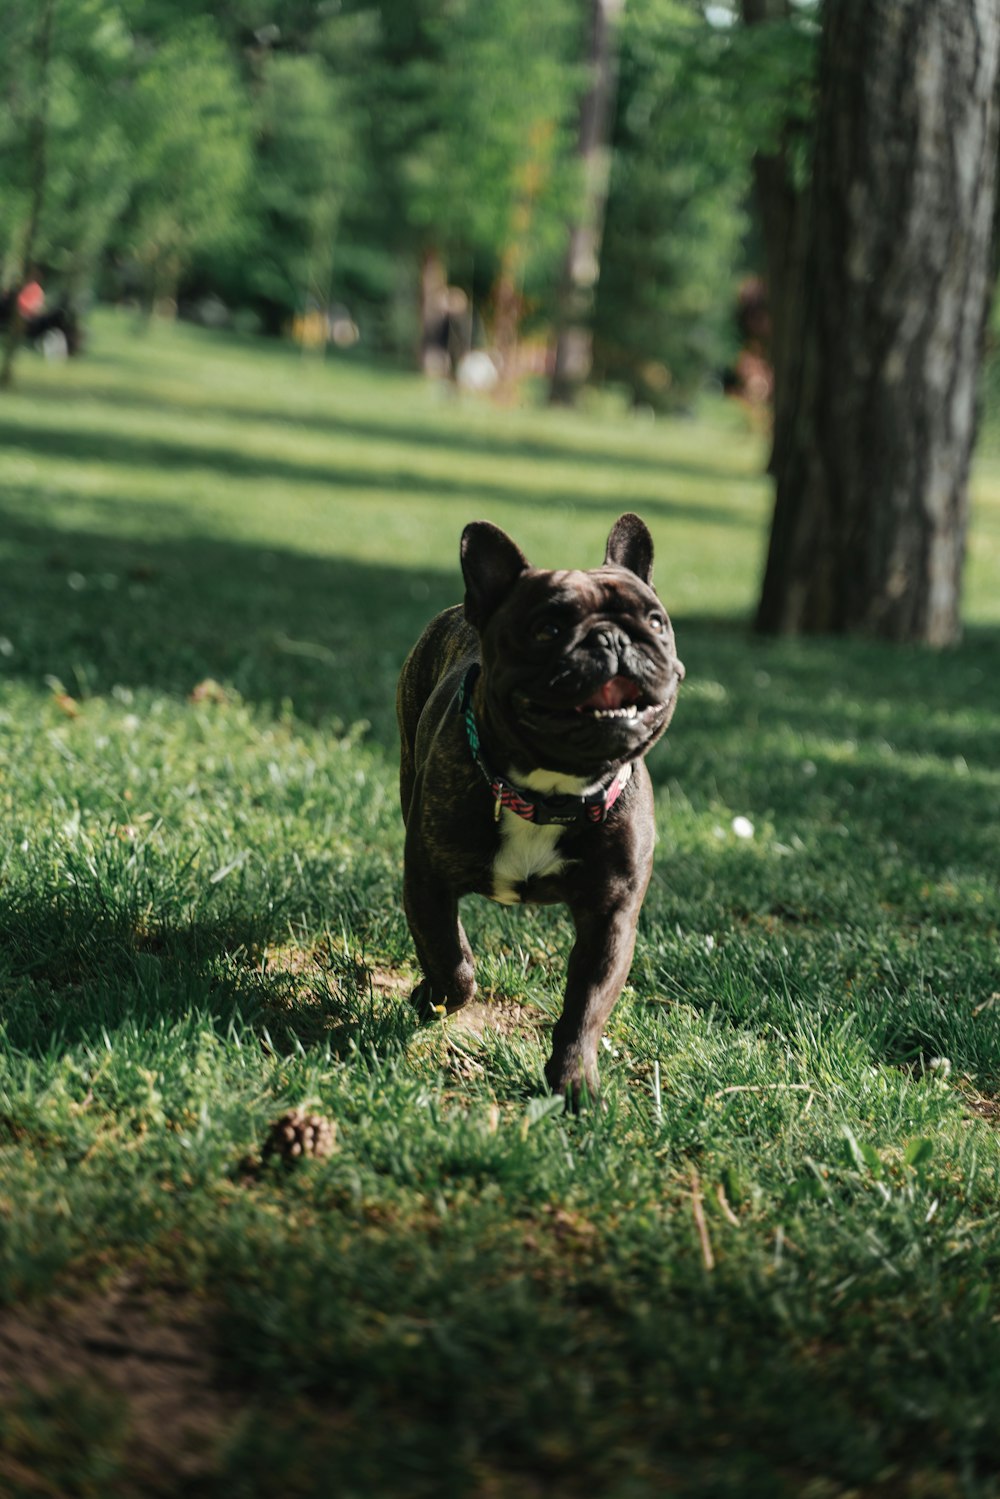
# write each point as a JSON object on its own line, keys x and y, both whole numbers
{"x": 56, "y": 333}
{"x": 30, "y": 300}
{"x": 448, "y": 333}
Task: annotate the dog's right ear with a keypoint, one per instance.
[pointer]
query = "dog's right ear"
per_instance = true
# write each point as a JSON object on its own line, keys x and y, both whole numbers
{"x": 630, "y": 545}
{"x": 491, "y": 565}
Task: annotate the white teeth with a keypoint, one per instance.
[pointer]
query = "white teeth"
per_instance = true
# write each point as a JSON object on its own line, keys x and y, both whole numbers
{"x": 629, "y": 712}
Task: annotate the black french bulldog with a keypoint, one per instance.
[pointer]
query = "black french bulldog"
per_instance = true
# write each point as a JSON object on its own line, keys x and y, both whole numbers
{"x": 524, "y": 717}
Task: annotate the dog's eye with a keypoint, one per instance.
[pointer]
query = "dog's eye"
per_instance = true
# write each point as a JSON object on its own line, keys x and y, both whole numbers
{"x": 549, "y": 629}
{"x": 657, "y": 622}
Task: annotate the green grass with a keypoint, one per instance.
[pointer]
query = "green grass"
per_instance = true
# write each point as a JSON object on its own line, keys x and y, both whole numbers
{"x": 200, "y": 926}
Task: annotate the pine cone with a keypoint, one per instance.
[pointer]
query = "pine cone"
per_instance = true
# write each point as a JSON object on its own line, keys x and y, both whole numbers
{"x": 298, "y": 1134}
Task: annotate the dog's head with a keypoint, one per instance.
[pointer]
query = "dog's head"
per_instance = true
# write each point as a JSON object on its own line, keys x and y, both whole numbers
{"x": 580, "y": 669}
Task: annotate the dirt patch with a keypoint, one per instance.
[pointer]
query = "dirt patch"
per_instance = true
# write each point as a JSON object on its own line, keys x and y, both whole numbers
{"x": 384, "y": 981}
{"x": 123, "y": 1383}
{"x": 984, "y": 1108}
{"x": 503, "y": 1017}
{"x": 334, "y": 969}
{"x": 457, "y": 1042}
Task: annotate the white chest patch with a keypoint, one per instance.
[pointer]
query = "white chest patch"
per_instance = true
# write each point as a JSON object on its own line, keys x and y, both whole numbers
{"x": 527, "y": 851}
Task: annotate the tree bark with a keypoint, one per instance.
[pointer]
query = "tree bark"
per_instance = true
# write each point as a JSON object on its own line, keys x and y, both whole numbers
{"x": 783, "y": 220}
{"x": 508, "y": 305}
{"x": 871, "y": 505}
{"x": 581, "y": 268}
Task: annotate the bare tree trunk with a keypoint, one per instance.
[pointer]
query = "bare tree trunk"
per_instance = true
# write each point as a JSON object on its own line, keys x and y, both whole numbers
{"x": 508, "y": 293}
{"x": 784, "y": 221}
{"x": 872, "y": 483}
{"x": 575, "y": 298}
{"x": 38, "y": 141}
{"x": 508, "y": 305}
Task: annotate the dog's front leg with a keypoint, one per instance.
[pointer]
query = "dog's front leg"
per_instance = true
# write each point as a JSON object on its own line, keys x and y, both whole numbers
{"x": 598, "y": 967}
{"x": 442, "y": 947}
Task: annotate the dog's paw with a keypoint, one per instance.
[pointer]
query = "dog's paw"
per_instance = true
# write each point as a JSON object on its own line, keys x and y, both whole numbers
{"x": 426, "y": 1000}
{"x": 581, "y": 1089}
{"x": 429, "y": 1001}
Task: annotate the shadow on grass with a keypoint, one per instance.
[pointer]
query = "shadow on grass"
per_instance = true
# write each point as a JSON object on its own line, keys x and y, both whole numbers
{"x": 174, "y": 455}
{"x": 435, "y": 431}
{"x": 74, "y": 968}
{"x": 97, "y": 611}
{"x": 814, "y": 730}
{"x": 876, "y": 742}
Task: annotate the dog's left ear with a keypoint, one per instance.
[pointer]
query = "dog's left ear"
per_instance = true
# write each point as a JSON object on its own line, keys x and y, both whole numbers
{"x": 491, "y": 565}
{"x": 630, "y": 545}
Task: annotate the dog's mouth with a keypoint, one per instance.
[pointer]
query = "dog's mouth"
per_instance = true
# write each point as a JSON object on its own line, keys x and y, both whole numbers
{"x": 618, "y": 698}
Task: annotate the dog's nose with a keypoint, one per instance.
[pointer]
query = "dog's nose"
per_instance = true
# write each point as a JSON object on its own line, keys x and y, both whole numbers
{"x": 610, "y": 638}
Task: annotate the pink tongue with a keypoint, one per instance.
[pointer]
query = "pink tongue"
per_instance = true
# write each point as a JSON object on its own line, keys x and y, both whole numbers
{"x": 617, "y": 693}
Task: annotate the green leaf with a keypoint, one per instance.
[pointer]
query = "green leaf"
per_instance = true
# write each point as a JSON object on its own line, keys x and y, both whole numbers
{"x": 871, "y": 1157}
{"x": 918, "y": 1152}
{"x": 541, "y": 1108}
{"x": 734, "y": 1186}
{"x": 852, "y": 1150}
{"x": 806, "y": 1188}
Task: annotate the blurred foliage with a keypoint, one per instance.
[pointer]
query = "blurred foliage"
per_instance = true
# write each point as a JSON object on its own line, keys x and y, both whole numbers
{"x": 304, "y": 168}
{"x": 279, "y": 154}
{"x": 676, "y": 210}
{"x": 191, "y": 128}
{"x": 496, "y": 174}
{"x": 61, "y": 111}
{"x": 695, "y": 100}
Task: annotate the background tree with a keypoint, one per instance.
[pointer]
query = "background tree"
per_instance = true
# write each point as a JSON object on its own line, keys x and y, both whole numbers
{"x": 467, "y": 153}
{"x": 778, "y": 53}
{"x": 676, "y": 216}
{"x": 582, "y": 263}
{"x": 872, "y": 479}
{"x": 499, "y": 158}
{"x": 65, "y": 163}
{"x": 304, "y": 72}
{"x": 31, "y": 42}
{"x": 303, "y": 160}
{"x": 279, "y": 152}
{"x": 189, "y": 119}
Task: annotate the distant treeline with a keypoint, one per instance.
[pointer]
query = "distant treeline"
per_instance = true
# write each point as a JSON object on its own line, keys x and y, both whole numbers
{"x": 368, "y": 161}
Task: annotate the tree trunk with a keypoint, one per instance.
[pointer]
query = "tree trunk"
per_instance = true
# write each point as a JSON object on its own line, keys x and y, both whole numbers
{"x": 872, "y": 483}
{"x": 508, "y": 305}
{"x": 581, "y": 268}
{"x": 783, "y": 220}
{"x": 508, "y": 293}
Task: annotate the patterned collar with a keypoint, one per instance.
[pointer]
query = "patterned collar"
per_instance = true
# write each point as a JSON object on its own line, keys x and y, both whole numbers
{"x": 565, "y": 809}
